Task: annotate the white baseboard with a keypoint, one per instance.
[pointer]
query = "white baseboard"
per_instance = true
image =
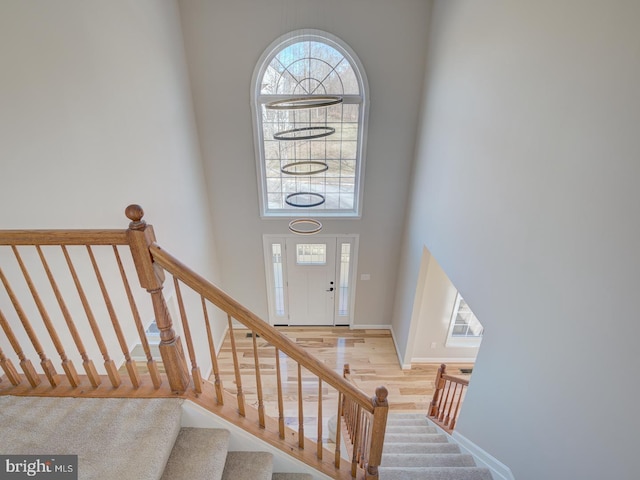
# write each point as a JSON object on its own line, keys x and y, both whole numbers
{"x": 499, "y": 470}
{"x": 442, "y": 360}
{"x": 370, "y": 327}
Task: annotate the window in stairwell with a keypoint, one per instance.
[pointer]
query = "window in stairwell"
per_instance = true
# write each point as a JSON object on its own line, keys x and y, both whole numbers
{"x": 464, "y": 329}
{"x": 309, "y": 100}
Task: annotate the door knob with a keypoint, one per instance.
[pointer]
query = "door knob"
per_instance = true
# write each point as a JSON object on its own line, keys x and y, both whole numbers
{"x": 330, "y": 290}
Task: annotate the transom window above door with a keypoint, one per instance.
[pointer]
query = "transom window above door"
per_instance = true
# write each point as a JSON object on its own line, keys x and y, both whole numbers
{"x": 309, "y": 98}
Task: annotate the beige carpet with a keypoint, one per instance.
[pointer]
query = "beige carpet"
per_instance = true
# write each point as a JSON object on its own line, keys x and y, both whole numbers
{"x": 414, "y": 450}
{"x": 114, "y": 438}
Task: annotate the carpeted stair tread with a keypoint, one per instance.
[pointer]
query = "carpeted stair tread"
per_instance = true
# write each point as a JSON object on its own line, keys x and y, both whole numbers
{"x": 393, "y": 421}
{"x": 198, "y": 454}
{"x": 414, "y": 450}
{"x": 248, "y": 465}
{"x": 415, "y": 438}
{"x": 411, "y": 429}
{"x": 437, "y": 473}
{"x": 428, "y": 460}
{"x": 421, "y": 448}
{"x": 406, "y": 415}
{"x": 95, "y": 429}
{"x": 292, "y": 476}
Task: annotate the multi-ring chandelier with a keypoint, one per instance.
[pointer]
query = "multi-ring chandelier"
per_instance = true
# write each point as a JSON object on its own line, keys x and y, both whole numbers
{"x": 307, "y": 167}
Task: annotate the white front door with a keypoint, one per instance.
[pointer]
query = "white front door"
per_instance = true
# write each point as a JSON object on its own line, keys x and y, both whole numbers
{"x": 311, "y": 274}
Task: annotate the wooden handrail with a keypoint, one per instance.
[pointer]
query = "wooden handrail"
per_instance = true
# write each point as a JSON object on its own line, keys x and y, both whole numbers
{"x": 75, "y": 299}
{"x": 63, "y": 237}
{"x": 227, "y": 304}
{"x": 455, "y": 379}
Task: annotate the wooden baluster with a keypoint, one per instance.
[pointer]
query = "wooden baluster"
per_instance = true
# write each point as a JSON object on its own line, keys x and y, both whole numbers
{"x": 378, "y": 429}
{"x": 433, "y": 409}
{"x": 9, "y": 370}
{"x": 87, "y": 363}
{"x": 6, "y": 363}
{"x": 356, "y": 441}
{"x": 362, "y": 452}
{"x": 346, "y": 410}
{"x": 256, "y": 362}
{"x": 280, "y": 399}
{"x": 236, "y": 368}
{"x": 300, "y": 410}
{"x": 25, "y": 364}
{"x": 319, "y": 418}
{"x": 130, "y": 364}
{"x": 151, "y": 276}
{"x": 109, "y": 364}
{"x": 346, "y": 371}
{"x": 447, "y": 418}
{"x": 67, "y": 365}
{"x": 214, "y": 357}
{"x": 348, "y": 416}
{"x": 47, "y": 365}
{"x": 151, "y": 363}
{"x": 337, "y": 454}
{"x": 444, "y": 402}
{"x": 367, "y": 445}
{"x": 354, "y": 420}
{"x": 195, "y": 370}
{"x": 454, "y": 419}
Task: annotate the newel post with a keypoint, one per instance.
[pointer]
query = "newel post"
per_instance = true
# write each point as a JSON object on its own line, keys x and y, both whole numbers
{"x": 380, "y": 412}
{"x": 151, "y": 276}
{"x": 439, "y": 384}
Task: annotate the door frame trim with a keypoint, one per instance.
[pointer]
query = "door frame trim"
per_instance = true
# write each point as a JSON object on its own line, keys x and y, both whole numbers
{"x": 268, "y": 239}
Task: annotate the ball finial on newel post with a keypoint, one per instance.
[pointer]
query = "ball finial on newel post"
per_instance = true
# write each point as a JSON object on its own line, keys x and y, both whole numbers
{"x": 381, "y": 396}
{"x": 135, "y": 213}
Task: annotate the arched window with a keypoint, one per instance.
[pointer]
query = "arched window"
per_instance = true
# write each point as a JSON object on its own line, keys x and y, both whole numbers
{"x": 309, "y": 98}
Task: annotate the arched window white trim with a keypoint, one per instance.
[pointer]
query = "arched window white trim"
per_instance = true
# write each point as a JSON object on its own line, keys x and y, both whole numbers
{"x": 307, "y": 63}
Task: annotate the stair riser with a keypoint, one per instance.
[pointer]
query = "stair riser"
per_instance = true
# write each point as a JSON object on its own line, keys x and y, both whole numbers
{"x": 415, "y": 438}
{"x": 420, "y": 448}
{"x": 442, "y": 473}
{"x": 408, "y": 421}
{"x": 410, "y": 429}
{"x": 428, "y": 460}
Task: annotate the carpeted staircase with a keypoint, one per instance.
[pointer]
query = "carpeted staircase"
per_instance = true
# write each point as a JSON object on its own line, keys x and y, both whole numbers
{"x": 414, "y": 450}
{"x": 122, "y": 439}
{"x": 142, "y": 439}
{"x": 201, "y": 454}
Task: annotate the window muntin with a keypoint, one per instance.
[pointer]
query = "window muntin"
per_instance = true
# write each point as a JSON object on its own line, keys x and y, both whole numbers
{"x": 308, "y": 64}
{"x": 465, "y": 330}
{"x": 465, "y": 323}
{"x": 311, "y": 254}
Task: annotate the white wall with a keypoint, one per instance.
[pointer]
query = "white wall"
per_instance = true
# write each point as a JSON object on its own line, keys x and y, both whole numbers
{"x": 224, "y": 40}
{"x": 434, "y": 309}
{"x": 96, "y": 113}
{"x": 526, "y": 191}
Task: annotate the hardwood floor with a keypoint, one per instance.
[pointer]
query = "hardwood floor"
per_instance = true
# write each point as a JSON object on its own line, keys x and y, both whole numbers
{"x": 370, "y": 354}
